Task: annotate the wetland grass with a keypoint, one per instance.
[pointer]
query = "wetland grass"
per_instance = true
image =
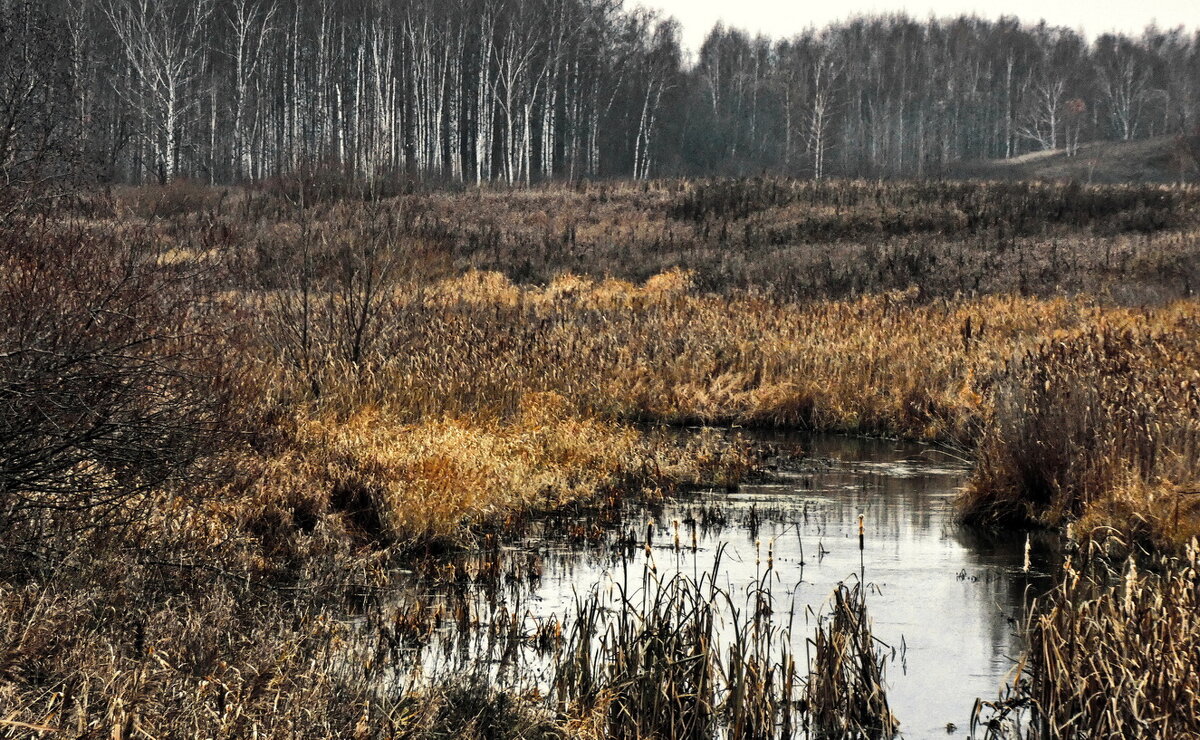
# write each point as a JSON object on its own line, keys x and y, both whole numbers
{"x": 414, "y": 375}
{"x": 1099, "y": 425}
{"x": 679, "y": 657}
{"x": 673, "y": 657}
{"x": 845, "y": 695}
{"x": 1112, "y": 653}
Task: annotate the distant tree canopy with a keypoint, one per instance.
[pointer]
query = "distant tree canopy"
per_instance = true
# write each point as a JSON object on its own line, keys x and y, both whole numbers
{"x": 524, "y": 90}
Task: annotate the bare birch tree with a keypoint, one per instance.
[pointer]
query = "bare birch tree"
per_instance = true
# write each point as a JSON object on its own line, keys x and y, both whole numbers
{"x": 163, "y": 44}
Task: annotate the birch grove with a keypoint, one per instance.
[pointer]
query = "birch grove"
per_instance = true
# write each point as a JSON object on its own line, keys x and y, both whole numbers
{"x": 520, "y": 91}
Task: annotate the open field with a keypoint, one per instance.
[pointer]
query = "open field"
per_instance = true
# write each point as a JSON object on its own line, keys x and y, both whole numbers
{"x": 231, "y": 413}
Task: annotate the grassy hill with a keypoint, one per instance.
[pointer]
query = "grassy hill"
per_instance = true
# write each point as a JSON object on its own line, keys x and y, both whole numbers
{"x": 1163, "y": 159}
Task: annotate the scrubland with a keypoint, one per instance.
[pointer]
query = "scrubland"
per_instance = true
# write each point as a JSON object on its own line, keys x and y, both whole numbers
{"x": 233, "y": 412}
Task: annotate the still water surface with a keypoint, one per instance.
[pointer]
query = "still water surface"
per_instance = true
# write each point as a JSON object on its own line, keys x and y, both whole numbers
{"x": 947, "y": 599}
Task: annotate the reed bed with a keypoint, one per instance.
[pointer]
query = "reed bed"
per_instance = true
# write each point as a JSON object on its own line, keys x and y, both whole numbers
{"x": 1112, "y": 653}
{"x": 436, "y": 483}
{"x": 402, "y": 376}
{"x": 1102, "y": 425}
{"x": 845, "y": 695}
{"x": 664, "y": 665}
{"x": 1076, "y": 410}
{"x": 679, "y": 657}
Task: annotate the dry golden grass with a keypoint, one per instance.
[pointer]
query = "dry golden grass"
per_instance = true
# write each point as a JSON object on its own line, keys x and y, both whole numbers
{"x": 438, "y": 482}
{"x": 1112, "y": 654}
{"x": 215, "y": 663}
{"x": 433, "y": 481}
{"x": 1100, "y": 423}
{"x": 1066, "y": 401}
{"x": 403, "y": 395}
{"x": 376, "y": 310}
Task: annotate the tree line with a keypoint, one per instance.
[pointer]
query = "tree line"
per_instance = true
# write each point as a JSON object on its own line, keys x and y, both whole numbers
{"x": 518, "y": 91}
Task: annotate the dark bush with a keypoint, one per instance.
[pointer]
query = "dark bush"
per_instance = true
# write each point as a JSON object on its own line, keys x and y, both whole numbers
{"x": 112, "y": 382}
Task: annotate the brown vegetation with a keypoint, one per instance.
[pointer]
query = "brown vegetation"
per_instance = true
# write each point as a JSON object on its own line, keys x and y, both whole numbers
{"x": 1169, "y": 158}
{"x": 680, "y": 657}
{"x": 1112, "y": 654}
{"x": 391, "y": 378}
{"x": 845, "y": 692}
{"x": 1100, "y": 423}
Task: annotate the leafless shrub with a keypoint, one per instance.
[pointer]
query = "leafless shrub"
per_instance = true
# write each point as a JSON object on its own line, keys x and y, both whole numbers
{"x": 111, "y": 384}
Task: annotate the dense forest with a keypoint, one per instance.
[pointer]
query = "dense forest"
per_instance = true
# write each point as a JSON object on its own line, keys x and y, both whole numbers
{"x": 518, "y": 91}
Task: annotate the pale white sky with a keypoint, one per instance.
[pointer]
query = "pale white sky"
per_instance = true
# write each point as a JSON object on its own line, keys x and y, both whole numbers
{"x": 781, "y": 18}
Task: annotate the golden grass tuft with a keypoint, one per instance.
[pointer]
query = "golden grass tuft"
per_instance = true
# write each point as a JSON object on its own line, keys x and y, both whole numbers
{"x": 426, "y": 481}
{"x": 435, "y": 482}
{"x": 1100, "y": 422}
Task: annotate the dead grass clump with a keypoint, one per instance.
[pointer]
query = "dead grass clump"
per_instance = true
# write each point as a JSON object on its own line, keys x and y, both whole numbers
{"x": 1158, "y": 516}
{"x": 678, "y": 658}
{"x": 1111, "y": 654}
{"x": 426, "y": 481}
{"x": 161, "y": 651}
{"x": 845, "y": 694}
{"x": 1089, "y": 421}
{"x": 475, "y": 710}
{"x": 438, "y": 481}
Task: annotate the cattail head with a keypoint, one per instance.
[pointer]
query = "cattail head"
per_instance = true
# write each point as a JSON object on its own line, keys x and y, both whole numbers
{"x": 1131, "y": 582}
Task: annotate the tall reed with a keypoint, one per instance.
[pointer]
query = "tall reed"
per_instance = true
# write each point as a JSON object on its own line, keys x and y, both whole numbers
{"x": 845, "y": 695}
{"x": 1112, "y": 653}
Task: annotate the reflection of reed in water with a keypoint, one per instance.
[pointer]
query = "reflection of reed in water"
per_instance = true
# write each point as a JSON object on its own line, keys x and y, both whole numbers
{"x": 844, "y": 695}
{"x": 679, "y": 657}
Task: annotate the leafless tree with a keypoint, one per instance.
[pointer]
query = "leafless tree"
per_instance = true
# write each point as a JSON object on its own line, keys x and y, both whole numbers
{"x": 164, "y": 46}
{"x": 518, "y": 90}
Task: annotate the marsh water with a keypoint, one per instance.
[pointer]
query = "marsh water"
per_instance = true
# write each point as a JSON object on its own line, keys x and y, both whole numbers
{"x": 945, "y": 601}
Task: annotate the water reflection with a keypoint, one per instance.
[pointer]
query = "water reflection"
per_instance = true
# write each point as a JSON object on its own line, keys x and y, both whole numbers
{"x": 948, "y": 599}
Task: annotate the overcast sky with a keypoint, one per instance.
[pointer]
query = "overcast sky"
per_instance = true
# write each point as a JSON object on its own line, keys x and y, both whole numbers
{"x": 779, "y": 18}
